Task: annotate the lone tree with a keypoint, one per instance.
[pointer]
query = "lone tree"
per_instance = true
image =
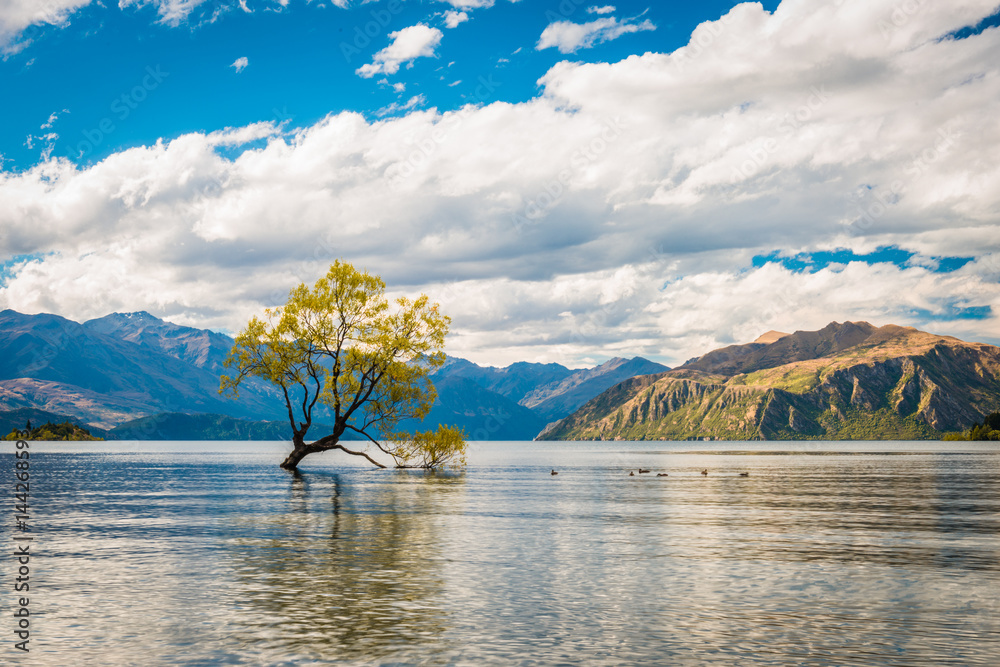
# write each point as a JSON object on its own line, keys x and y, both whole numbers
{"x": 343, "y": 346}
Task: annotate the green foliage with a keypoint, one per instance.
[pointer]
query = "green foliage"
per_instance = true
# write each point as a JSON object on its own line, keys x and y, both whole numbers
{"x": 988, "y": 430}
{"x": 992, "y": 421}
{"x": 881, "y": 424}
{"x": 790, "y": 378}
{"x": 48, "y": 431}
{"x": 430, "y": 449}
{"x": 343, "y": 345}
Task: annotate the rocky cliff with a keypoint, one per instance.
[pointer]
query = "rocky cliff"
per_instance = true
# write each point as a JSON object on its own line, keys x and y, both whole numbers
{"x": 846, "y": 381}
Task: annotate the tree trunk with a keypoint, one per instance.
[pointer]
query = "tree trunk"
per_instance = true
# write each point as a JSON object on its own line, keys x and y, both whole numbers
{"x": 300, "y": 450}
{"x": 295, "y": 456}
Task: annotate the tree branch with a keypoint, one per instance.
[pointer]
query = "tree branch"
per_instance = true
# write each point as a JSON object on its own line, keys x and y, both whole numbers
{"x": 374, "y": 441}
{"x": 364, "y": 454}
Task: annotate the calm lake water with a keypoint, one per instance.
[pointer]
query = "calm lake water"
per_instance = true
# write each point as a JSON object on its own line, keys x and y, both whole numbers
{"x": 207, "y": 554}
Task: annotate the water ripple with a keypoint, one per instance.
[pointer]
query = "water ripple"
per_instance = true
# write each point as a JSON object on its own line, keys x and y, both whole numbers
{"x": 168, "y": 557}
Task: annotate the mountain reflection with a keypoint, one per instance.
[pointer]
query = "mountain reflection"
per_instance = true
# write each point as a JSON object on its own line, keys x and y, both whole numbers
{"x": 351, "y": 569}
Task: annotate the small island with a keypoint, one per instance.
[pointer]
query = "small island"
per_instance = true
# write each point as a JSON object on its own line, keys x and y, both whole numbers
{"x": 66, "y": 431}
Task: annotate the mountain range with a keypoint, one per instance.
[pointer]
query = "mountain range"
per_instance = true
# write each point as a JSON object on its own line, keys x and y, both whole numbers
{"x": 519, "y": 400}
{"x": 133, "y": 375}
{"x": 116, "y": 368}
{"x": 849, "y": 380}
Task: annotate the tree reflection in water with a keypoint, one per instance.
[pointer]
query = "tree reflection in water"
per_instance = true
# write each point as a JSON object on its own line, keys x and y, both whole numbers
{"x": 351, "y": 568}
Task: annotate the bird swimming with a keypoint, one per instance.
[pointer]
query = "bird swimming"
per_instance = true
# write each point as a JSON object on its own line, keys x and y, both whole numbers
{"x": 662, "y": 474}
{"x": 553, "y": 473}
{"x": 744, "y": 474}
{"x": 642, "y": 471}
{"x": 705, "y": 471}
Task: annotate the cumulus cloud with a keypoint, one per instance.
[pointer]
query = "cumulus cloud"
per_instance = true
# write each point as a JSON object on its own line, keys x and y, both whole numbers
{"x": 619, "y": 212}
{"x": 408, "y": 44}
{"x": 605, "y": 9}
{"x": 240, "y": 64}
{"x": 570, "y": 37}
{"x": 452, "y": 19}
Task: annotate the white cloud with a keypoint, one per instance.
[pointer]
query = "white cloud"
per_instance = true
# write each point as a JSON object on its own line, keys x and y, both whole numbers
{"x": 240, "y": 64}
{"x": 171, "y": 12}
{"x": 395, "y": 107}
{"x": 408, "y": 44}
{"x": 605, "y": 9}
{"x": 49, "y": 140}
{"x": 18, "y": 15}
{"x": 53, "y": 117}
{"x": 570, "y": 37}
{"x": 627, "y": 311}
{"x": 239, "y": 136}
{"x": 617, "y": 213}
{"x": 398, "y": 87}
{"x": 470, "y": 4}
{"x": 452, "y": 19}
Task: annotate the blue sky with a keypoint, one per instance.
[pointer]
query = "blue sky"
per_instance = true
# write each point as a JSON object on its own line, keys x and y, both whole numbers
{"x": 818, "y": 261}
{"x": 301, "y": 64}
{"x": 572, "y": 181}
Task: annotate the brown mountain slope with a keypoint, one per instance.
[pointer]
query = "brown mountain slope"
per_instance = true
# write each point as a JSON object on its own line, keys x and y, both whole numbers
{"x": 846, "y": 381}
{"x": 770, "y": 336}
{"x": 798, "y": 346}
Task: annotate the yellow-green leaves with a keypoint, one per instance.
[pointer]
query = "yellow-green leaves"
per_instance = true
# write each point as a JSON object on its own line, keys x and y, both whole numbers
{"x": 343, "y": 345}
{"x": 430, "y": 449}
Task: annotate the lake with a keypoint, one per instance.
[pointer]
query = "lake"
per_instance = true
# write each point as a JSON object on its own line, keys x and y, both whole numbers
{"x": 209, "y": 554}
